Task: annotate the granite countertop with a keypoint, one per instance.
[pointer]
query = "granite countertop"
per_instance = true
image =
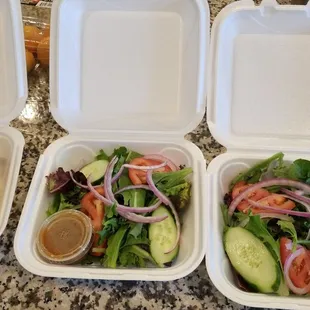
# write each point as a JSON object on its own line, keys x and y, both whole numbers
{"x": 20, "y": 289}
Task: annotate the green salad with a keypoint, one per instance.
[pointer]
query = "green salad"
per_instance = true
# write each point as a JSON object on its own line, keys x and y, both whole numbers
{"x": 134, "y": 202}
{"x": 267, "y": 226}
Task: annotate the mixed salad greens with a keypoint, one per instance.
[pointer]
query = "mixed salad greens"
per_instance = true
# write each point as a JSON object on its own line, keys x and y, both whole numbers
{"x": 134, "y": 202}
{"x": 267, "y": 226}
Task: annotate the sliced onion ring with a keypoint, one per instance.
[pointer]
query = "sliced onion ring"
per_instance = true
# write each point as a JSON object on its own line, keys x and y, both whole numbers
{"x": 272, "y": 182}
{"x": 132, "y": 187}
{"x": 124, "y": 209}
{"x": 142, "y": 219}
{"x": 275, "y": 216}
{"x": 306, "y": 205}
{"x": 169, "y": 162}
{"x": 76, "y": 182}
{"x": 167, "y": 202}
{"x": 153, "y": 167}
{"x": 256, "y": 204}
{"x": 296, "y": 196}
{"x": 287, "y": 265}
{"x": 155, "y": 190}
{"x": 106, "y": 201}
{"x": 108, "y": 180}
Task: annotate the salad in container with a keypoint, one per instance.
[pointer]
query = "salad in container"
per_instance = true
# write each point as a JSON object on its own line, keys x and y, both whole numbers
{"x": 145, "y": 208}
{"x": 267, "y": 227}
{"x": 119, "y": 210}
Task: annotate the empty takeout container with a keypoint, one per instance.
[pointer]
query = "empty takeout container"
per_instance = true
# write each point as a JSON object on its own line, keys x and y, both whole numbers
{"x": 132, "y": 73}
{"x": 13, "y": 95}
{"x": 258, "y": 105}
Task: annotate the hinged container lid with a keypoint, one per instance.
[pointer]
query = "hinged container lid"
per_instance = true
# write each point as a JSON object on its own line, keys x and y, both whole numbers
{"x": 129, "y": 65}
{"x": 13, "y": 77}
{"x": 259, "y": 82}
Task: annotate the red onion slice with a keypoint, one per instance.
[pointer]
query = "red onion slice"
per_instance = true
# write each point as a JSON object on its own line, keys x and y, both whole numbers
{"x": 272, "y": 182}
{"x": 106, "y": 201}
{"x": 287, "y": 266}
{"x": 154, "y": 167}
{"x": 159, "y": 157}
{"x": 167, "y": 202}
{"x": 142, "y": 219}
{"x": 124, "y": 209}
{"x": 306, "y": 205}
{"x": 298, "y": 192}
{"x": 275, "y": 216}
{"x": 296, "y": 196}
{"x": 278, "y": 210}
{"x": 132, "y": 187}
{"x": 178, "y": 224}
{"x": 76, "y": 182}
{"x": 155, "y": 190}
{"x": 108, "y": 179}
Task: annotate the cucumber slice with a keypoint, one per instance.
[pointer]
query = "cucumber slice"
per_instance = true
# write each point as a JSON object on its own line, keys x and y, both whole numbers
{"x": 162, "y": 236}
{"x": 95, "y": 170}
{"x": 252, "y": 260}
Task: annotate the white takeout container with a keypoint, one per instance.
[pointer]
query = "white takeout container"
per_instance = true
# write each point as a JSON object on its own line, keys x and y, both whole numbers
{"x": 132, "y": 73}
{"x": 13, "y": 95}
{"x": 258, "y": 104}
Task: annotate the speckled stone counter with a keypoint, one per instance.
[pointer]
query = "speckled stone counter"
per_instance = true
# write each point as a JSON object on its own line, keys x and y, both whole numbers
{"x": 20, "y": 289}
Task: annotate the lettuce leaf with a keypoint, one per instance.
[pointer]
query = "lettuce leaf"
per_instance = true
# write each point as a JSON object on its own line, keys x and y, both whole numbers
{"x": 254, "y": 174}
{"x": 289, "y": 228}
{"x": 134, "y": 256}
{"x": 259, "y": 228}
{"x": 102, "y": 155}
{"x": 175, "y": 186}
{"x": 114, "y": 245}
{"x": 297, "y": 170}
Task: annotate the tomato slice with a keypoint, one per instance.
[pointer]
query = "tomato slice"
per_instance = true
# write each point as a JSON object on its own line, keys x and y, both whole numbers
{"x": 95, "y": 209}
{"x": 300, "y": 269}
{"x": 238, "y": 188}
{"x": 264, "y": 198}
{"x": 138, "y": 177}
{"x": 277, "y": 201}
{"x": 285, "y": 249}
{"x": 255, "y": 196}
